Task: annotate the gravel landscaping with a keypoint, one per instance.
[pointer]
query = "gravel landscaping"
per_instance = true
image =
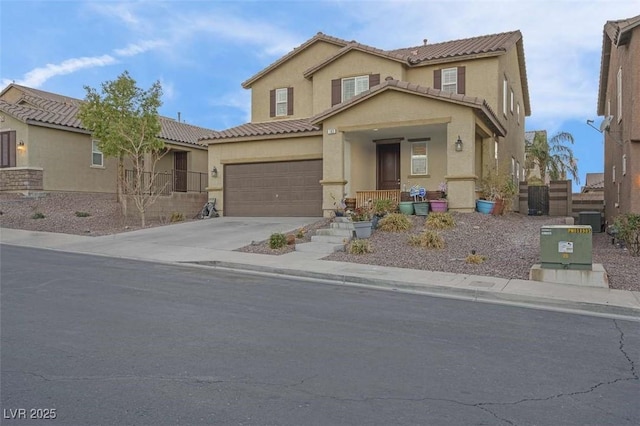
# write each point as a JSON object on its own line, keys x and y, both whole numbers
{"x": 510, "y": 243}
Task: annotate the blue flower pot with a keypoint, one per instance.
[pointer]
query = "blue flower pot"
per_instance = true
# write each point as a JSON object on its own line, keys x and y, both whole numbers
{"x": 484, "y": 206}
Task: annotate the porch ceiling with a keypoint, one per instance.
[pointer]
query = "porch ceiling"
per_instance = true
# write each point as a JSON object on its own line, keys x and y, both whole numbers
{"x": 434, "y": 131}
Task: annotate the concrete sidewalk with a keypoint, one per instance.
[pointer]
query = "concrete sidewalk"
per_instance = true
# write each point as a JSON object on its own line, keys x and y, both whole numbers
{"x": 212, "y": 245}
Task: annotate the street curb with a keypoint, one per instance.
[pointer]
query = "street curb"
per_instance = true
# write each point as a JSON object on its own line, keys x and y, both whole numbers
{"x": 476, "y": 295}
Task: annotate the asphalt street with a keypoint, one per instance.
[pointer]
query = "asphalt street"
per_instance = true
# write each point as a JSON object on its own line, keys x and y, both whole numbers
{"x": 116, "y": 342}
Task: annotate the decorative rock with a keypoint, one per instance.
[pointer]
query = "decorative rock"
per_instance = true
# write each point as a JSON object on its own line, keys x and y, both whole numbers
{"x": 291, "y": 239}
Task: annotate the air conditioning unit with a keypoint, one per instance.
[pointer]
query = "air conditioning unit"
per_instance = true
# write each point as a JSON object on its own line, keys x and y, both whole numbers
{"x": 594, "y": 219}
{"x": 566, "y": 247}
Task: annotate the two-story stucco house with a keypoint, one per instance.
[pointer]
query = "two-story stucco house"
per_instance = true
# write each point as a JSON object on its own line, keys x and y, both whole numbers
{"x": 336, "y": 118}
{"x": 44, "y": 147}
{"x": 619, "y": 103}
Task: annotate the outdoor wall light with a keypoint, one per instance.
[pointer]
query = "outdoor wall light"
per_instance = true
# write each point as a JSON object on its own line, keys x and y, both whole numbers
{"x": 214, "y": 172}
{"x": 21, "y": 145}
{"x": 459, "y": 144}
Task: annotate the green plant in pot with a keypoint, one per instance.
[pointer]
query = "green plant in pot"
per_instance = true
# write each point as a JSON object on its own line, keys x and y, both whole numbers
{"x": 362, "y": 218}
{"x": 500, "y": 189}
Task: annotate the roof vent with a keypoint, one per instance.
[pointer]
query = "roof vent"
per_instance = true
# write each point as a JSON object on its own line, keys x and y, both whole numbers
{"x": 424, "y": 41}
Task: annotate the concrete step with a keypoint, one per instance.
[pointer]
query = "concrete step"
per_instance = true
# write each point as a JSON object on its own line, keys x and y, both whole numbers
{"x": 335, "y": 232}
{"x": 330, "y": 239}
{"x": 341, "y": 225}
{"x": 315, "y": 247}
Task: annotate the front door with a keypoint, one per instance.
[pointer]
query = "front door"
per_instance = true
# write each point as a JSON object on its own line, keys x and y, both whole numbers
{"x": 388, "y": 156}
{"x": 180, "y": 171}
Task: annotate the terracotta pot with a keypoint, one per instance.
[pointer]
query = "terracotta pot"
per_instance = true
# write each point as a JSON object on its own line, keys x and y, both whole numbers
{"x": 498, "y": 207}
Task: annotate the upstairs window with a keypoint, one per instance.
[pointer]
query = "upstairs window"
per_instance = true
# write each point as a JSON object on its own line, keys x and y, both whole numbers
{"x": 354, "y": 86}
{"x": 419, "y": 158}
{"x": 619, "y": 89}
{"x": 450, "y": 80}
{"x": 281, "y": 102}
{"x": 343, "y": 89}
{"x": 505, "y": 88}
{"x": 96, "y": 155}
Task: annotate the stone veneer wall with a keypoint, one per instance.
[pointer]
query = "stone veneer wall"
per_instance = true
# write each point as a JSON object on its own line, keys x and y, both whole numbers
{"x": 189, "y": 204}
{"x": 18, "y": 179}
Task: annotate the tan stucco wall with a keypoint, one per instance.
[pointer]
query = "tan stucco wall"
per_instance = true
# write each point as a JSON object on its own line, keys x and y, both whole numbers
{"x": 352, "y": 64}
{"x": 196, "y": 159}
{"x": 623, "y": 138}
{"x": 395, "y": 109}
{"x": 284, "y": 149}
{"x": 289, "y": 74}
{"x": 22, "y": 134}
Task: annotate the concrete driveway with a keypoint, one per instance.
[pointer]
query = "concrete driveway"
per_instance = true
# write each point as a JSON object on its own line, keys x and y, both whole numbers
{"x": 189, "y": 241}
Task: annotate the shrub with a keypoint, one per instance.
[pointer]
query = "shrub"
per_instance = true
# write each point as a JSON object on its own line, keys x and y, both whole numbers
{"x": 176, "y": 217}
{"x": 359, "y": 246}
{"x": 628, "y": 226}
{"x": 475, "y": 259}
{"x": 83, "y": 214}
{"x": 427, "y": 239}
{"x": 384, "y": 206}
{"x": 394, "y": 222}
{"x": 38, "y": 215}
{"x": 300, "y": 233}
{"x": 277, "y": 240}
{"x": 440, "y": 220}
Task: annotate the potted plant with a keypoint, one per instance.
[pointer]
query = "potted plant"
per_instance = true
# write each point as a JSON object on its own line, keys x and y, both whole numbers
{"x": 498, "y": 190}
{"x": 439, "y": 203}
{"x": 338, "y": 205}
{"x": 381, "y": 208}
{"x": 362, "y": 218}
{"x": 420, "y": 205}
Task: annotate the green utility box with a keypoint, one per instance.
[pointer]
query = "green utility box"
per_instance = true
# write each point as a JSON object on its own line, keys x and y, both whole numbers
{"x": 566, "y": 247}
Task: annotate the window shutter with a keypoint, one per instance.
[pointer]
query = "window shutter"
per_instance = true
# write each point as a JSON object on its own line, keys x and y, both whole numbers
{"x": 437, "y": 79}
{"x": 272, "y": 103}
{"x": 336, "y": 91}
{"x": 461, "y": 85}
{"x": 374, "y": 80}
{"x": 8, "y": 149}
{"x": 290, "y": 101}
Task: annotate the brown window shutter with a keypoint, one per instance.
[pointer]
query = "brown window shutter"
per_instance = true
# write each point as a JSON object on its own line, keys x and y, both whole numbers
{"x": 272, "y": 103}
{"x": 461, "y": 83}
{"x": 374, "y": 80}
{"x": 336, "y": 91}
{"x": 290, "y": 101}
{"x": 437, "y": 79}
{"x": 8, "y": 149}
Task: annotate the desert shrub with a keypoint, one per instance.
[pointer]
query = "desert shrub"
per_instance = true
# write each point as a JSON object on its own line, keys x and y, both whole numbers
{"x": 176, "y": 217}
{"x": 83, "y": 214}
{"x": 277, "y": 240}
{"x": 427, "y": 239}
{"x": 440, "y": 220}
{"x": 38, "y": 215}
{"x": 300, "y": 233}
{"x": 359, "y": 246}
{"x": 384, "y": 206}
{"x": 394, "y": 222}
{"x": 475, "y": 259}
{"x": 628, "y": 226}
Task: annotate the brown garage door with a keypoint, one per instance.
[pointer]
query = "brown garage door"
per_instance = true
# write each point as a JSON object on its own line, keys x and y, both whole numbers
{"x": 287, "y": 188}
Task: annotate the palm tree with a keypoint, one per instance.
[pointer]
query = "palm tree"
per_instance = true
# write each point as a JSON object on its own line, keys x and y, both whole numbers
{"x": 552, "y": 156}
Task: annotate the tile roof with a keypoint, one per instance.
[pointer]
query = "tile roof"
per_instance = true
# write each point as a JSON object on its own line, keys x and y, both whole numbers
{"x": 486, "y": 44}
{"x": 50, "y": 108}
{"x": 480, "y": 105}
{"x": 271, "y": 128}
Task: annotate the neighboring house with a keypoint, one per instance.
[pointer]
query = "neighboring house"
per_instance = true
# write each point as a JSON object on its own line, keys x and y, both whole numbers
{"x": 619, "y": 104}
{"x": 336, "y": 118}
{"x": 44, "y": 147}
{"x": 594, "y": 183}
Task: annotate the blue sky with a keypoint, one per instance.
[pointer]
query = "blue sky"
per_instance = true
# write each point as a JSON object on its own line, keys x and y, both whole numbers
{"x": 201, "y": 51}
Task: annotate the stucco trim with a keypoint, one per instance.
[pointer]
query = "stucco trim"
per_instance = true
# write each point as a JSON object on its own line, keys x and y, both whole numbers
{"x": 461, "y": 177}
{"x": 334, "y": 182}
{"x": 271, "y": 159}
{"x": 58, "y": 127}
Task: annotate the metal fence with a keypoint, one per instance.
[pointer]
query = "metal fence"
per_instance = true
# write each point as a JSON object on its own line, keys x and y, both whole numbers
{"x": 164, "y": 183}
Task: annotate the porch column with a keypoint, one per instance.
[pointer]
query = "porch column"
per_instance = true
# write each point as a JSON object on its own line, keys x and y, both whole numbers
{"x": 461, "y": 177}
{"x": 333, "y": 179}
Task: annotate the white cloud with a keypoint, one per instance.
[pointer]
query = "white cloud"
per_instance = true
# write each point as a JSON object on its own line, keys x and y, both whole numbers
{"x": 239, "y": 99}
{"x": 168, "y": 89}
{"x": 38, "y": 76}
{"x": 141, "y": 47}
